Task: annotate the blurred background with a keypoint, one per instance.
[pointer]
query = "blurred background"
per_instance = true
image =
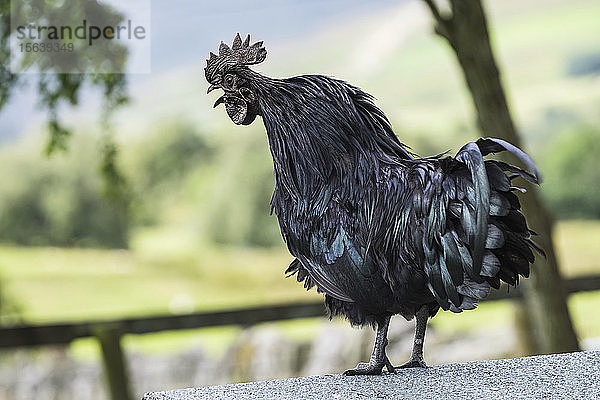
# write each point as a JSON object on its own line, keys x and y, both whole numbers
{"x": 190, "y": 229}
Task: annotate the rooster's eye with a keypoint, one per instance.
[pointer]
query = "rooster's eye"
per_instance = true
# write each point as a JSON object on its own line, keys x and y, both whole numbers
{"x": 228, "y": 81}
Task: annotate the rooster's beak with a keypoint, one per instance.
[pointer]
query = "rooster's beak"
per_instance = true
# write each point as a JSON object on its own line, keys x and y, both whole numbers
{"x": 219, "y": 101}
{"x": 211, "y": 88}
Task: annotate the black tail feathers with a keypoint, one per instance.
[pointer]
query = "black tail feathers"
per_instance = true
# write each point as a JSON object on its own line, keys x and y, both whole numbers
{"x": 509, "y": 244}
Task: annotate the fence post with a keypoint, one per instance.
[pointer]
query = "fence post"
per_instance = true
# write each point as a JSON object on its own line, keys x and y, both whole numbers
{"x": 113, "y": 362}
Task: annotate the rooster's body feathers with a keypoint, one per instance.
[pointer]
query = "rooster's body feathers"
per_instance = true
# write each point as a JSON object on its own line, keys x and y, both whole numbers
{"x": 378, "y": 230}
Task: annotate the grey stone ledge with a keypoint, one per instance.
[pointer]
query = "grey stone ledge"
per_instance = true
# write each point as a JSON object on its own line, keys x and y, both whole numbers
{"x": 555, "y": 376}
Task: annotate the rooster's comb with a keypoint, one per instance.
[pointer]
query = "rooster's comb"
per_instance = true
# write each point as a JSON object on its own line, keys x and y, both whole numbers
{"x": 240, "y": 53}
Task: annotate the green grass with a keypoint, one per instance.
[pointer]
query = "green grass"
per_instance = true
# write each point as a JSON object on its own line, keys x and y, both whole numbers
{"x": 51, "y": 284}
{"x": 578, "y": 247}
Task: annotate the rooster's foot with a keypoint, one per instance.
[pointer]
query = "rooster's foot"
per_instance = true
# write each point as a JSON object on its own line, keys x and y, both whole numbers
{"x": 365, "y": 369}
{"x": 413, "y": 363}
{"x": 371, "y": 368}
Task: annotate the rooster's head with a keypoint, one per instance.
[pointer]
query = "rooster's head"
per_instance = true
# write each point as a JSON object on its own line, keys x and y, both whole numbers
{"x": 229, "y": 71}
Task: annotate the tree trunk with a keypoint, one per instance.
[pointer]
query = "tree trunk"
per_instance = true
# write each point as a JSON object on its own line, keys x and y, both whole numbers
{"x": 465, "y": 29}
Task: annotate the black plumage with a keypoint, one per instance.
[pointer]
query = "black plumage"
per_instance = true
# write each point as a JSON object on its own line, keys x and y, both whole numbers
{"x": 375, "y": 228}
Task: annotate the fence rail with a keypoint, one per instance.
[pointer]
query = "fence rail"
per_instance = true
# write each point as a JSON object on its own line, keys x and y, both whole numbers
{"x": 109, "y": 332}
{"x": 64, "y": 333}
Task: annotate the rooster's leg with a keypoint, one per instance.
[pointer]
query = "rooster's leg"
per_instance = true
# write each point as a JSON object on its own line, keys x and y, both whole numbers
{"x": 416, "y": 358}
{"x": 378, "y": 357}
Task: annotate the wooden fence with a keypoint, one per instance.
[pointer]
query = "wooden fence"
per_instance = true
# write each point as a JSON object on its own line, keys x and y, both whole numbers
{"x": 109, "y": 332}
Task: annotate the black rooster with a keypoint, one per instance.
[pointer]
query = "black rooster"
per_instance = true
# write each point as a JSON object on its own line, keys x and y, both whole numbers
{"x": 377, "y": 229}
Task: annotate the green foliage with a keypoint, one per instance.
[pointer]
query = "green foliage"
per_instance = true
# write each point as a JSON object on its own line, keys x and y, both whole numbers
{"x": 162, "y": 166}
{"x": 169, "y": 154}
{"x": 571, "y": 173}
{"x": 55, "y": 87}
{"x": 239, "y": 212}
{"x": 58, "y": 201}
{"x": 116, "y": 187}
{"x": 65, "y": 201}
{"x": 7, "y": 79}
{"x": 28, "y": 217}
{"x": 223, "y": 189}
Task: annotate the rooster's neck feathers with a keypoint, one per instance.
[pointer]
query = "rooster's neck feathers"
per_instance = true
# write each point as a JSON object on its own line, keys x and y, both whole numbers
{"x": 322, "y": 131}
